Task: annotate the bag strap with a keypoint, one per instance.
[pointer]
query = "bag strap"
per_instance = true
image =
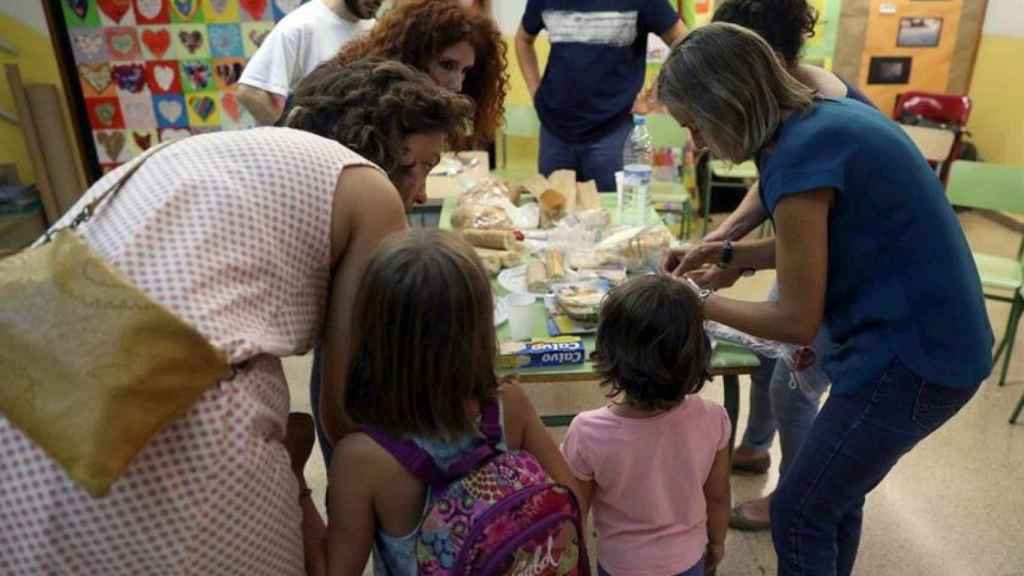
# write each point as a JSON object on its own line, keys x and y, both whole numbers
{"x": 412, "y": 457}
{"x": 90, "y": 208}
{"x": 421, "y": 464}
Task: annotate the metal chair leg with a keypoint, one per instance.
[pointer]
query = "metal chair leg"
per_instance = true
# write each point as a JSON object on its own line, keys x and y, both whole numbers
{"x": 1017, "y": 410}
{"x": 1011, "y": 335}
{"x": 1006, "y": 335}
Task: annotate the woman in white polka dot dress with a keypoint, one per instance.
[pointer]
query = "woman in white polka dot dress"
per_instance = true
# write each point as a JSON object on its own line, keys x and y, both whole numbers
{"x": 250, "y": 237}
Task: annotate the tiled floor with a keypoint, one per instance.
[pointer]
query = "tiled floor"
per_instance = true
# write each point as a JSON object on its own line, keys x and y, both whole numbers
{"x": 953, "y": 506}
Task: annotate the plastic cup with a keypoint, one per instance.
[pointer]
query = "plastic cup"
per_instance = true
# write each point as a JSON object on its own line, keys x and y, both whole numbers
{"x": 520, "y": 316}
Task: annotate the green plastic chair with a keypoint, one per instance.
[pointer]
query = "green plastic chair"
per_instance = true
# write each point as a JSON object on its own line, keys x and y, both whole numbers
{"x": 712, "y": 173}
{"x": 1000, "y": 188}
{"x": 670, "y": 197}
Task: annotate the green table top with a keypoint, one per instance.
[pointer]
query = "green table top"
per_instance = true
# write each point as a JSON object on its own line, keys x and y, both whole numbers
{"x": 727, "y": 358}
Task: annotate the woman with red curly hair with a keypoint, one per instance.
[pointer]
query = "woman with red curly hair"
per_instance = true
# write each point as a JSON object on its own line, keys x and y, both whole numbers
{"x": 459, "y": 46}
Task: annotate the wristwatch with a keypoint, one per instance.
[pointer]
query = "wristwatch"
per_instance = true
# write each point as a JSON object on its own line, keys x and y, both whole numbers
{"x": 726, "y": 258}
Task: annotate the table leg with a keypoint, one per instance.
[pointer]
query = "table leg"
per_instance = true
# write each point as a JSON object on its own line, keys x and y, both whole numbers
{"x": 732, "y": 404}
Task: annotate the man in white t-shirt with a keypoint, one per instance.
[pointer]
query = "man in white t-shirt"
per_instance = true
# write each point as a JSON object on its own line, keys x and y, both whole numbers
{"x": 303, "y": 39}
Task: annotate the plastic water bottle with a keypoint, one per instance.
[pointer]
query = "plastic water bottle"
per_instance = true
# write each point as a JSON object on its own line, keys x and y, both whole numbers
{"x": 637, "y": 156}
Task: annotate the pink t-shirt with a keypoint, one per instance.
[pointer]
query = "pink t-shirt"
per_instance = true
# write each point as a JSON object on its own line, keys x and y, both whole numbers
{"x": 649, "y": 508}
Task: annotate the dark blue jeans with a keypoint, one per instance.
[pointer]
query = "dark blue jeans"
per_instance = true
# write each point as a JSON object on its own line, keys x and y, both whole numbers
{"x": 596, "y": 160}
{"x": 856, "y": 439}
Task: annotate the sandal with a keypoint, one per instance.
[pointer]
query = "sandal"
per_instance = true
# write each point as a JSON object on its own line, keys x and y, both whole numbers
{"x": 739, "y": 520}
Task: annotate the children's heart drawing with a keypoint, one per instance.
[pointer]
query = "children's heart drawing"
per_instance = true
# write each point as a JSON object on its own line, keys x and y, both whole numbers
{"x": 170, "y": 109}
{"x": 88, "y": 44}
{"x": 164, "y": 76}
{"x": 225, "y": 40}
{"x": 187, "y": 8}
{"x": 95, "y": 75}
{"x": 158, "y": 41}
{"x": 79, "y": 7}
{"x": 174, "y": 134}
{"x": 122, "y": 43}
{"x": 254, "y": 8}
{"x": 230, "y": 72}
{"x": 229, "y": 104}
{"x": 219, "y": 5}
{"x": 258, "y": 36}
{"x": 130, "y": 77}
{"x": 138, "y": 113}
{"x": 112, "y": 142}
{"x": 199, "y": 74}
{"x": 192, "y": 40}
{"x": 287, "y": 6}
{"x": 149, "y": 9}
{"x": 115, "y": 9}
{"x": 143, "y": 140}
{"x": 105, "y": 113}
{"x": 203, "y": 106}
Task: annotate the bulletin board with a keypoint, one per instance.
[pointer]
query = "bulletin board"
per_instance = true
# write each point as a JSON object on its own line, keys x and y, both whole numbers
{"x": 147, "y": 71}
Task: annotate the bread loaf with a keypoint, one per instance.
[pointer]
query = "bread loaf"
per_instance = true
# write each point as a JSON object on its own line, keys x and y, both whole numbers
{"x": 536, "y": 277}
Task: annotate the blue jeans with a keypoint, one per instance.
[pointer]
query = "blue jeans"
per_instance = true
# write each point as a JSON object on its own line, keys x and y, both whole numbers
{"x": 776, "y": 405}
{"x": 314, "y": 400}
{"x": 597, "y": 160}
{"x": 695, "y": 570}
{"x": 856, "y": 439}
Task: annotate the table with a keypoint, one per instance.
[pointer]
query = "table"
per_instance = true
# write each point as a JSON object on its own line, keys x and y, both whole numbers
{"x": 729, "y": 361}
{"x": 935, "y": 144}
{"x": 441, "y": 187}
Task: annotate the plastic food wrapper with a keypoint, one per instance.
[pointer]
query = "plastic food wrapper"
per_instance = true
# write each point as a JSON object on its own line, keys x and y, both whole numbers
{"x": 481, "y": 217}
{"x": 635, "y": 247}
{"x": 496, "y": 194}
{"x": 801, "y": 360}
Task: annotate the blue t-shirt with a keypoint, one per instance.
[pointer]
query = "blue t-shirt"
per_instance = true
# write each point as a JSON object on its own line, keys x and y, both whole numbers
{"x": 597, "y": 61}
{"x": 854, "y": 94}
{"x": 901, "y": 278}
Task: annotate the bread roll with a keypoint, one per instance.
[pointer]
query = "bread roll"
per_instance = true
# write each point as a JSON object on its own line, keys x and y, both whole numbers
{"x": 587, "y": 197}
{"x": 555, "y": 265}
{"x": 552, "y": 207}
{"x": 564, "y": 181}
{"x": 536, "y": 277}
{"x": 493, "y": 239}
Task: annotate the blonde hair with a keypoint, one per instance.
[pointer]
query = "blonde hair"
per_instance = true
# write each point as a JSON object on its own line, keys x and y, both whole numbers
{"x": 726, "y": 82}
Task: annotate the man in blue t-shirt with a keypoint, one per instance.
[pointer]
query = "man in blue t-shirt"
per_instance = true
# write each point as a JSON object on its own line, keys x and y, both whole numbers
{"x": 595, "y": 70}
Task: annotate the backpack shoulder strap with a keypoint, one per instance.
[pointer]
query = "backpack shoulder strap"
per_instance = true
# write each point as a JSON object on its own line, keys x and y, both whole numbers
{"x": 412, "y": 457}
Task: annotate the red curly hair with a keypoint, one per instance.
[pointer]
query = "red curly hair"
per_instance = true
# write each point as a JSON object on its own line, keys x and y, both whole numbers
{"x": 417, "y": 31}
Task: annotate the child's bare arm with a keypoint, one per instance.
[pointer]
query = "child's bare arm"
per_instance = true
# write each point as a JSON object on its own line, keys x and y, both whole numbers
{"x": 524, "y": 430}
{"x": 586, "y": 496}
{"x": 352, "y": 523}
{"x": 718, "y": 496}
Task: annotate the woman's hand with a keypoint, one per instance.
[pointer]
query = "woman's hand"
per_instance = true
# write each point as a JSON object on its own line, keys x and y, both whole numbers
{"x": 715, "y": 277}
{"x": 687, "y": 258}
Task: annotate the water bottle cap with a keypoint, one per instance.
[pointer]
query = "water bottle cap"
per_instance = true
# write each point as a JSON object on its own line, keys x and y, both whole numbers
{"x": 639, "y": 120}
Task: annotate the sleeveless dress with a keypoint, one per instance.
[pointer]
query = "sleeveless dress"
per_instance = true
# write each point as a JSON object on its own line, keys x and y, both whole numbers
{"x": 231, "y": 232}
{"x": 396, "y": 555}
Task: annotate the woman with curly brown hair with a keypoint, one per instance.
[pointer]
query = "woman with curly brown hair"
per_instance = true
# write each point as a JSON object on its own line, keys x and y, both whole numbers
{"x": 458, "y": 46}
{"x": 258, "y": 240}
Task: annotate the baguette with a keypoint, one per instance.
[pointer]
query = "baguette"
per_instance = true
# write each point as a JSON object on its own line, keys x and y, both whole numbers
{"x": 493, "y": 239}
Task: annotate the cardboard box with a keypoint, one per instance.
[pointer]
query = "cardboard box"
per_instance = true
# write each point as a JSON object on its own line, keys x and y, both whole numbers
{"x": 537, "y": 353}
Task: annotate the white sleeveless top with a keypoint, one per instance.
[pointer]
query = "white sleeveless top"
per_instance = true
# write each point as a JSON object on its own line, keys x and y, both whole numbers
{"x": 231, "y": 232}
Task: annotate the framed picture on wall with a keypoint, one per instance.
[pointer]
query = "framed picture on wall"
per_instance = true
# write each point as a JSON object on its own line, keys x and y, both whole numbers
{"x": 917, "y": 32}
{"x": 889, "y": 70}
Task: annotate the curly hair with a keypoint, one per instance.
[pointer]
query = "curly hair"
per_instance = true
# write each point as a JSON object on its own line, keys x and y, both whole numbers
{"x": 784, "y": 24}
{"x": 673, "y": 359}
{"x": 371, "y": 106}
{"x": 417, "y": 31}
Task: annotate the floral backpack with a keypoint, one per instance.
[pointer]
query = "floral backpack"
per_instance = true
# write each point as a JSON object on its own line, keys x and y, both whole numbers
{"x": 493, "y": 513}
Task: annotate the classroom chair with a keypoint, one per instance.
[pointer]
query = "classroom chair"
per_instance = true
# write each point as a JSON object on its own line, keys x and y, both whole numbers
{"x": 1000, "y": 188}
{"x": 946, "y": 111}
{"x": 670, "y": 197}
{"x": 713, "y": 173}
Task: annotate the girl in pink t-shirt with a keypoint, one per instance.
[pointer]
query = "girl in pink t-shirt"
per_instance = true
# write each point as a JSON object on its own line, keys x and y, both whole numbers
{"x": 654, "y": 463}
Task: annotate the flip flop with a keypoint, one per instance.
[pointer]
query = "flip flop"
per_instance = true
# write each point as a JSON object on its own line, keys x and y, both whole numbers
{"x": 738, "y": 520}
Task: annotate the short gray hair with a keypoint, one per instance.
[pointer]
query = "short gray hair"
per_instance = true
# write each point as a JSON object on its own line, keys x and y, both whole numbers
{"x": 726, "y": 82}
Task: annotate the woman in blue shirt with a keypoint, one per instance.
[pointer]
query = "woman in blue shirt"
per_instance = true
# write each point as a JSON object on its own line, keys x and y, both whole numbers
{"x": 867, "y": 243}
